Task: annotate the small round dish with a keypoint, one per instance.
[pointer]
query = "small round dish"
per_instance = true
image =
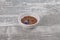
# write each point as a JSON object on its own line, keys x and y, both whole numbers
{"x": 27, "y": 20}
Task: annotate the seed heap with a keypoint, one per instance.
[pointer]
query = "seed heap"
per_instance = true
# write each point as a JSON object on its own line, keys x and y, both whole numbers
{"x": 28, "y": 20}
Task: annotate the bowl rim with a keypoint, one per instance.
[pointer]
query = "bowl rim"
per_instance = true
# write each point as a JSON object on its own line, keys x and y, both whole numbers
{"x": 33, "y": 15}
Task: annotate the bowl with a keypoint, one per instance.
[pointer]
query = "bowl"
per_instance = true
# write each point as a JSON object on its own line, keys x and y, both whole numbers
{"x": 27, "y": 14}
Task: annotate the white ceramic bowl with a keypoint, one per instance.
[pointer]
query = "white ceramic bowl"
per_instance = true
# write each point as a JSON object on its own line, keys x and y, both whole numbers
{"x": 27, "y": 14}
